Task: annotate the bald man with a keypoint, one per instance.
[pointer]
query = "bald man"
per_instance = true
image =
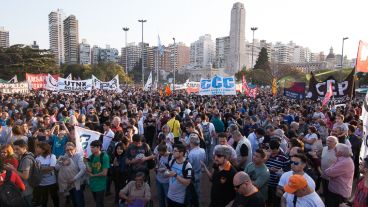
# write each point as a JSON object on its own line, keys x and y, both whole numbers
{"x": 246, "y": 193}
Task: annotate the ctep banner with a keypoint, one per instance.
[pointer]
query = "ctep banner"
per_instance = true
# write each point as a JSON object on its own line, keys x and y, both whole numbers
{"x": 217, "y": 85}
{"x": 66, "y": 85}
{"x": 10, "y": 88}
{"x": 38, "y": 81}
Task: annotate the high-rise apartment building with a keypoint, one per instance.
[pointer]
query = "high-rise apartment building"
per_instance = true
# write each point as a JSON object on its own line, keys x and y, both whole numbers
{"x": 108, "y": 55}
{"x": 71, "y": 40}
{"x": 84, "y": 53}
{"x": 95, "y": 54}
{"x": 222, "y": 51}
{"x": 4, "y": 37}
{"x": 56, "y": 35}
{"x": 180, "y": 55}
{"x": 237, "y": 56}
{"x": 134, "y": 55}
{"x": 202, "y": 52}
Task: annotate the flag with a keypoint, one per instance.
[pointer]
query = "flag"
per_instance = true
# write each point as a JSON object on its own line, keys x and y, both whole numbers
{"x": 250, "y": 92}
{"x": 13, "y": 80}
{"x": 364, "y": 117}
{"x": 160, "y": 48}
{"x": 274, "y": 87}
{"x": 168, "y": 90}
{"x": 84, "y": 137}
{"x": 362, "y": 58}
{"x": 148, "y": 85}
{"x": 69, "y": 77}
{"x": 328, "y": 95}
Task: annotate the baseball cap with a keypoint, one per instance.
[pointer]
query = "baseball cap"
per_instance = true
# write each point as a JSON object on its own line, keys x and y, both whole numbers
{"x": 296, "y": 182}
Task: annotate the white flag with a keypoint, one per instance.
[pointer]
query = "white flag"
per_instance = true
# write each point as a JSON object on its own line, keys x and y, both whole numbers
{"x": 69, "y": 77}
{"x": 364, "y": 117}
{"x": 51, "y": 83}
{"x": 84, "y": 137}
{"x": 148, "y": 85}
{"x": 13, "y": 80}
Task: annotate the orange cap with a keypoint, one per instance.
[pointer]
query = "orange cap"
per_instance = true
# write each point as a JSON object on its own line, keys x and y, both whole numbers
{"x": 296, "y": 182}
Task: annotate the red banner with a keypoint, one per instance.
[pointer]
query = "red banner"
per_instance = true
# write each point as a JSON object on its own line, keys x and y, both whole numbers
{"x": 38, "y": 81}
{"x": 250, "y": 92}
{"x": 362, "y": 58}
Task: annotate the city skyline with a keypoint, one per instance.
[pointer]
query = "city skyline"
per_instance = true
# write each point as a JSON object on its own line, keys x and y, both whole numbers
{"x": 319, "y": 27}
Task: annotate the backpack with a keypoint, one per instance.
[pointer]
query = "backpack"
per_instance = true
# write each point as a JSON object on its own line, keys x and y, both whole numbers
{"x": 191, "y": 197}
{"x": 111, "y": 150}
{"x": 35, "y": 175}
{"x": 206, "y": 133}
{"x": 10, "y": 194}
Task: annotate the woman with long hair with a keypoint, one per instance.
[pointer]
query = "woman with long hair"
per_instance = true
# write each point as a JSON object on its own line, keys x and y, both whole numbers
{"x": 7, "y": 156}
{"x": 48, "y": 185}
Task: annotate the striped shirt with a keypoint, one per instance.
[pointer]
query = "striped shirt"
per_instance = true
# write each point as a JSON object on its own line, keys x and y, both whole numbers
{"x": 280, "y": 161}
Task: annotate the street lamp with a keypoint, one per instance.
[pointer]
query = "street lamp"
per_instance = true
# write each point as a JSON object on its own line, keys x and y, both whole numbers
{"x": 142, "y": 21}
{"x": 253, "y": 30}
{"x": 174, "y": 63}
{"x": 126, "y": 29}
{"x": 342, "y": 52}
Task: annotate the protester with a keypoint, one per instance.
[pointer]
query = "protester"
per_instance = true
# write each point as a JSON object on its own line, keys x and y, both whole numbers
{"x": 247, "y": 194}
{"x": 222, "y": 190}
{"x": 299, "y": 194}
{"x": 137, "y": 192}
{"x": 7, "y": 156}
{"x": 98, "y": 164}
{"x": 340, "y": 176}
{"x": 258, "y": 172}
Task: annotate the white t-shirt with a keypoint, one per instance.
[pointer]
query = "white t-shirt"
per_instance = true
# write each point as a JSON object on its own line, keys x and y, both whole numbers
{"x": 311, "y": 200}
{"x": 310, "y": 137}
{"x": 285, "y": 179}
{"x": 108, "y": 136}
{"x": 50, "y": 161}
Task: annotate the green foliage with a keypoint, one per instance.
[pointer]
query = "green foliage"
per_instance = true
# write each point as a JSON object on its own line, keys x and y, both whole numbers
{"x": 262, "y": 61}
{"x": 240, "y": 73}
{"x": 20, "y": 59}
{"x": 103, "y": 71}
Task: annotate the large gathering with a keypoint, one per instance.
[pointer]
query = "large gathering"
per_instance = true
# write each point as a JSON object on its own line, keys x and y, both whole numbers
{"x": 159, "y": 150}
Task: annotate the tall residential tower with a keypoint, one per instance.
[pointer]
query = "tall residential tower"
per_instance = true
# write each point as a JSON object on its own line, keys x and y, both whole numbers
{"x": 56, "y": 35}
{"x": 71, "y": 40}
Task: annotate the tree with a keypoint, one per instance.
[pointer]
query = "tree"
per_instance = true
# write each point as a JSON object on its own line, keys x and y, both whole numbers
{"x": 20, "y": 59}
{"x": 262, "y": 61}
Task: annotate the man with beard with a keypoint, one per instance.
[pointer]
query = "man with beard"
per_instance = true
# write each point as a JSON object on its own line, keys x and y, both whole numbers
{"x": 222, "y": 191}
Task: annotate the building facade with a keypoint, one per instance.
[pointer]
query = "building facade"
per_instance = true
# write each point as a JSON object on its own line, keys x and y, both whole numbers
{"x": 71, "y": 40}
{"x": 56, "y": 35}
{"x": 84, "y": 53}
{"x": 222, "y": 51}
{"x": 4, "y": 37}
{"x": 202, "y": 52}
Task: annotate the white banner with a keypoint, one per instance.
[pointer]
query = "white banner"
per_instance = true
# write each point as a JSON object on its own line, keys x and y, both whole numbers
{"x": 66, "y": 85}
{"x": 9, "y": 88}
{"x": 51, "y": 83}
{"x": 110, "y": 86}
{"x": 217, "y": 85}
{"x": 148, "y": 85}
{"x": 84, "y": 137}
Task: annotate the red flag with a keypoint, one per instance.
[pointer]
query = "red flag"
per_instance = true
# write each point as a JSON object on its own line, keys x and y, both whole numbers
{"x": 328, "y": 95}
{"x": 362, "y": 58}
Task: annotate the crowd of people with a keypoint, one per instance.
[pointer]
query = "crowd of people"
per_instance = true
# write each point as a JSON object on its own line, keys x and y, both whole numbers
{"x": 268, "y": 151}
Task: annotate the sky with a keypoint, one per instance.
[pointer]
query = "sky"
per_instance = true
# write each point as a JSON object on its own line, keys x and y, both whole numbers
{"x": 317, "y": 24}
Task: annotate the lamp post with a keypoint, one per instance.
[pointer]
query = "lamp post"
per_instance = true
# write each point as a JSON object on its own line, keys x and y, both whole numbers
{"x": 142, "y": 21}
{"x": 126, "y": 29}
{"x": 342, "y": 58}
{"x": 253, "y": 30}
{"x": 174, "y": 64}
{"x": 342, "y": 52}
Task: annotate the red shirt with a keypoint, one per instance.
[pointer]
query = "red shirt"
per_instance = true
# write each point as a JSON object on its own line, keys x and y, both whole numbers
{"x": 361, "y": 193}
{"x": 13, "y": 178}
{"x": 12, "y": 161}
{"x": 116, "y": 129}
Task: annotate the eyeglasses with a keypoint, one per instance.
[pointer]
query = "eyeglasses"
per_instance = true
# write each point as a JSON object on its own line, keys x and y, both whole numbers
{"x": 238, "y": 186}
{"x": 70, "y": 149}
{"x": 295, "y": 163}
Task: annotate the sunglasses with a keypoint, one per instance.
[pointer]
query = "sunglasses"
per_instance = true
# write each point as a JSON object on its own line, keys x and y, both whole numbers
{"x": 294, "y": 163}
{"x": 238, "y": 186}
